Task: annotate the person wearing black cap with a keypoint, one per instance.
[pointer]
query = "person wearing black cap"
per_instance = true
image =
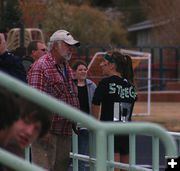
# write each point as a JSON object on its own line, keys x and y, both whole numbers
{"x": 115, "y": 96}
{"x": 53, "y": 75}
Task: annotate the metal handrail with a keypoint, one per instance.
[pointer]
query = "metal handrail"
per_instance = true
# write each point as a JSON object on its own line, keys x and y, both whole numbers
{"x": 101, "y": 129}
{"x": 16, "y": 163}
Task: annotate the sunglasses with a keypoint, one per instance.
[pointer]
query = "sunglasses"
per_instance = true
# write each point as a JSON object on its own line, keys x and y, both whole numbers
{"x": 108, "y": 58}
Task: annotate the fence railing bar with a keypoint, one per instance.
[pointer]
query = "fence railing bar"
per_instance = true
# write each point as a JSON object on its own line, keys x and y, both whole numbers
{"x": 16, "y": 163}
{"x": 102, "y": 129}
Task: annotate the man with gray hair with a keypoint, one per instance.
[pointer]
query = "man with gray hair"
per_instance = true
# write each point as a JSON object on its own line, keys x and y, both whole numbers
{"x": 53, "y": 75}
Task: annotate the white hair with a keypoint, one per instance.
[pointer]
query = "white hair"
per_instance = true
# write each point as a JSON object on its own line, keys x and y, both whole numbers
{"x": 51, "y": 44}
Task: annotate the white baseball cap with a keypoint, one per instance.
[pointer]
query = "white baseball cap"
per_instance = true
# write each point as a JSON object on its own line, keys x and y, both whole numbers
{"x": 63, "y": 35}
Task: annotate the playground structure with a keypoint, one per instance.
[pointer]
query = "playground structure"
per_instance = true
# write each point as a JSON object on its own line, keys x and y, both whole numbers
{"x": 16, "y": 35}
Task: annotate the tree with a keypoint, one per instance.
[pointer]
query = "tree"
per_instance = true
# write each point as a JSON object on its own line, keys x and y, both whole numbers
{"x": 33, "y": 12}
{"x": 102, "y": 3}
{"x": 166, "y": 13}
{"x": 2, "y": 16}
{"x": 90, "y": 25}
{"x": 12, "y": 14}
{"x": 132, "y": 10}
{"x": 96, "y": 3}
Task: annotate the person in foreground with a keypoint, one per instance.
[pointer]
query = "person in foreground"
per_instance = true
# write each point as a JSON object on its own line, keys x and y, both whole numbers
{"x": 115, "y": 96}
{"x": 21, "y": 122}
{"x": 86, "y": 88}
{"x": 53, "y": 75}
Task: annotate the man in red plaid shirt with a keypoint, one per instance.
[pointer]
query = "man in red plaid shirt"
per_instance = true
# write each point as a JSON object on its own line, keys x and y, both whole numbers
{"x": 53, "y": 75}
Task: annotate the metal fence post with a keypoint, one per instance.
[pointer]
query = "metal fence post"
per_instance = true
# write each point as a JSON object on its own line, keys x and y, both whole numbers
{"x": 155, "y": 153}
{"x": 110, "y": 150}
{"x": 132, "y": 149}
{"x": 75, "y": 151}
{"x": 161, "y": 74}
{"x": 101, "y": 150}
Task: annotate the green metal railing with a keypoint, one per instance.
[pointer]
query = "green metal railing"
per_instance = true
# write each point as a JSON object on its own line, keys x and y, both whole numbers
{"x": 16, "y": 163}
{"x": 101, "y": 129}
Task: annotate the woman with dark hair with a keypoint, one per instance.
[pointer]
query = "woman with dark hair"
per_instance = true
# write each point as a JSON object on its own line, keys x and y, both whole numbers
{"x": 115, "y": 96}
{"x": 86, "y": 90}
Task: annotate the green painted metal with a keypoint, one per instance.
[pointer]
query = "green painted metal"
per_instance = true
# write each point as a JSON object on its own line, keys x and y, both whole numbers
{"x": 101, "y": 153}
{"x": 100, "y": 128}
{"x": 92, "y": 150}
{"x": 110, "y": 154}
{"x": 132, "y": 149}
{"x": 144, "y": 129}
{"x": 27, "y": 153}
{"x": 155, "y": 154}
{"x": 16, "y": 163}
{"x": 75, "y": 151}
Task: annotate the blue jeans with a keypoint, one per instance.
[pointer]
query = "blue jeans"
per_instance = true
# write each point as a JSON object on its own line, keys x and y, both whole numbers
{"x": 83, "y": 148}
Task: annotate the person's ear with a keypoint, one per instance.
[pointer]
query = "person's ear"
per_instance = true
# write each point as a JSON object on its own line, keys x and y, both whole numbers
{"x": 54, "y": 45}
{"x": 33, "y": 53}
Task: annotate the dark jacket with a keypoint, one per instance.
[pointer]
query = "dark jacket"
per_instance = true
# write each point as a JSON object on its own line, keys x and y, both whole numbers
{"x": 27, "y": 61}
{"x": 12, "y": 65}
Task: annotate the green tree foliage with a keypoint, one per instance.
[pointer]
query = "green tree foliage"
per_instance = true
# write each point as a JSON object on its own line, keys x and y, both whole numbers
{"x": 102, "y": 3}
{"x": 89, "y": 25}
{"x": 132, "y": 10}
{"x": 12, "y": 14}
{"x": 2, "y": 16}
{"x": 164, "y": 13}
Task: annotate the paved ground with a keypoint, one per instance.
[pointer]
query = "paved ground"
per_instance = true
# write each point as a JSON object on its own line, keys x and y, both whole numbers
{"x": 165, "y": 114}
{"x": 144, "y": 153}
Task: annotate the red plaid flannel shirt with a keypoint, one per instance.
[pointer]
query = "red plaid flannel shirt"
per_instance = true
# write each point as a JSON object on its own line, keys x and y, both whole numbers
{"x": 45, "y": 76}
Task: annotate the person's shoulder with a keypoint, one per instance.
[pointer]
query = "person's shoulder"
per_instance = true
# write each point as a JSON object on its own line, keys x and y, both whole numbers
{"x": 119, "y": 80}
{"x": 42, "y": 62}
{"x": 9, "y": 56}
{"x": 106, "y": 79}
{"x": 28, "y": 58}
{"x": 11, "y": 59}
{"x": 88, "y": 81}
{"x": 125, "y": 81}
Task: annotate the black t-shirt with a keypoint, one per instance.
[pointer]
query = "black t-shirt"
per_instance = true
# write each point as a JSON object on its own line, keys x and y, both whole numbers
{"x": 83, "y": 98}
{"x": 116, "y": 96}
